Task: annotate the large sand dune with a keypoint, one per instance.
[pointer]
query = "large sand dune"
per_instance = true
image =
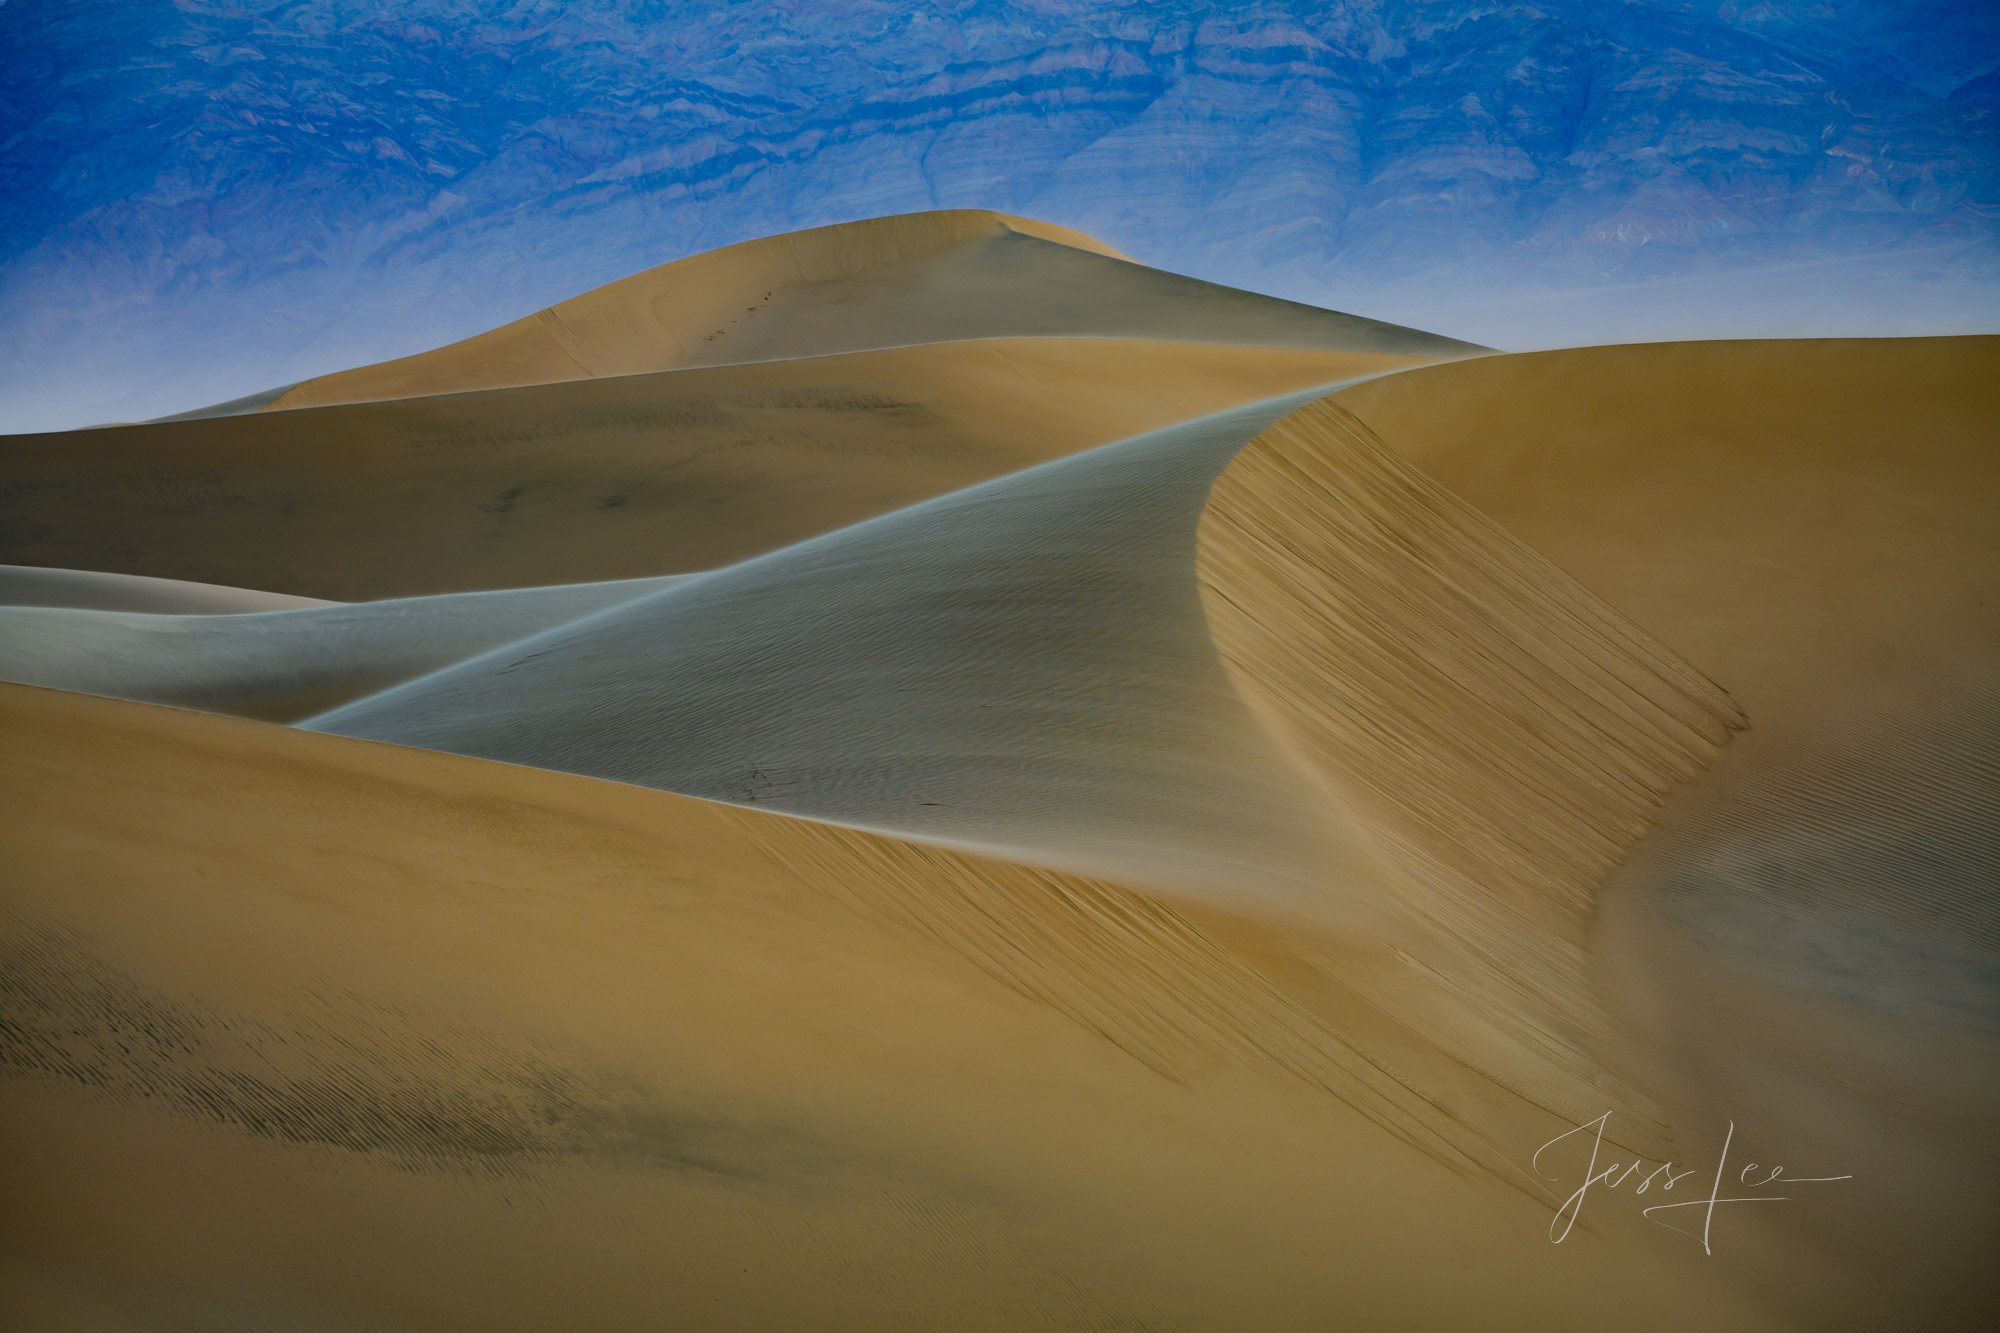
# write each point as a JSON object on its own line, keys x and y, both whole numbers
{"x": 622, "y": 478}
{"x": 1026, "y": 666}
{"x": 315, "y": 1030}
{"x": 885, "y": 282}
{"x": 1088, "y": 822}
{"x": 1833, "y": 514}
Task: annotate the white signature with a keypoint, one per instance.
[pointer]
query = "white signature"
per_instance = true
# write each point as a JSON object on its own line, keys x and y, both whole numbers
{"x": 1617, "y": 1173}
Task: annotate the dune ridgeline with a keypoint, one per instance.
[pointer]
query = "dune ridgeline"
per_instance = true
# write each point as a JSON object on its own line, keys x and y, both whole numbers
{"x": 923, "y": 774}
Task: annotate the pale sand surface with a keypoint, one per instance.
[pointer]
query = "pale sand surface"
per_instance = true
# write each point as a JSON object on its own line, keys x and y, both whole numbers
{"x": 620, "y": 478}
{"x": 1027, "y": 666}
{"x": 885, "y": 282}
{"x": 323, "y": 1034}
{"x": 279, "y": 665}
{"x": 27, "y": 585}
{"x": 1810, "y": 942}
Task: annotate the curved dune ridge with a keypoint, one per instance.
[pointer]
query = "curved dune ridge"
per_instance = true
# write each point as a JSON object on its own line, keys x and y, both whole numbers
{"x": 1039, "y": 794}
{"x": 1818, "y": 524}
{"x": 1499, "y": 735}
{"x": 1025, "y": 668}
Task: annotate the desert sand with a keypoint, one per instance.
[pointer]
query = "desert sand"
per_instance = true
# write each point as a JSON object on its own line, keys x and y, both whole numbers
{"x": 94, "y": 590}
{"x": 628, "y": 477}
{"x": 1152, "y": 823}
{"x": 361, "y": 1034}
{"x": 887, "y": 282}
{"x": 1832, "y": 510}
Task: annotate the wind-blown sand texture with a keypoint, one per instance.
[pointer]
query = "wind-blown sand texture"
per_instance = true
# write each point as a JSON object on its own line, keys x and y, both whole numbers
{"x": 1832, "y": 510}
{"x": 1168, "y": 868}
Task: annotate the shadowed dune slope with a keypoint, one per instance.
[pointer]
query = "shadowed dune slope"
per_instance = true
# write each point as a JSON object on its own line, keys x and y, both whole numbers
{"x": 1817, "y": 524}
{"x": 1019, "y": 664}
{"x": 560, "y": 1052}
{"x": 281, "y": 665}
{"x": 885, "y": 282}
{"x": 629, "y": 477}
{"x": 1026, "y": 666}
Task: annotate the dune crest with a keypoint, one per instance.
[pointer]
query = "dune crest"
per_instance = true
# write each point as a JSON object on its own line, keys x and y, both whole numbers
{"x": 1498, "y": 735}
{"x": 885, "y": 282}
{"x": 1435, "y": 670}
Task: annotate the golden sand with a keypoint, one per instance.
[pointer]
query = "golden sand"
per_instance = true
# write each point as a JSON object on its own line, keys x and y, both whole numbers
{"x": 885, "y": 282}
{"x": 622, "y": 478}
{"x": 1102, "y": 845}
{"x": 316, "y": 1029}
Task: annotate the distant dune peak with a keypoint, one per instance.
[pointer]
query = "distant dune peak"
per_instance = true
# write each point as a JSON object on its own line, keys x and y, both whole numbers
{"x": 917, "y": 278}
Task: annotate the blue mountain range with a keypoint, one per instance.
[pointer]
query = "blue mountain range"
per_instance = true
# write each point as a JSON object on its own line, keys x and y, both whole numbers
{"x": 202, "y": 198}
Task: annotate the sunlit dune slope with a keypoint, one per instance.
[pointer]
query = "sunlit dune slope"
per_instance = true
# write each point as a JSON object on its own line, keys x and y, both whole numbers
{"x": 1178, "y": 882}
{"x": 1818, "y": 525}
{"x": 884, "y": 282}
{"x": 1813, "y": 522}
{"x": 309, "y": 1031}
{"x": 1494, "y": 734}
{"x": 1027, "y": 666}
{"x": 281, "y": 665}
{"x": 619, "y": 478}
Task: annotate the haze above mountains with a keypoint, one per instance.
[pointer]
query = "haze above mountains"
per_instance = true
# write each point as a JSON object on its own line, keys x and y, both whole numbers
{"x": 199, "y": 201}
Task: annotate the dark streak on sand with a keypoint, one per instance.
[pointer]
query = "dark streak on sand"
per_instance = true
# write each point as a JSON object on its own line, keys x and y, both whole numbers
{"x": 340, "y": 1071}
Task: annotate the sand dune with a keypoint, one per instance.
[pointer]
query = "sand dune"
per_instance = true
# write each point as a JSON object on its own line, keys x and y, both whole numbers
{"x": 316, "y": 1030}
{"x": 622, "y": 478}
{"x": 1832, "y": 510}
{"x": 1018, "y": 664}
{"x": 1053, "y": 827}
{"x": 1026, "y": 667}
{"x": 282, "y": 665}
{"x": 25, "y": 585}
{"x": 886, "y": 282}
